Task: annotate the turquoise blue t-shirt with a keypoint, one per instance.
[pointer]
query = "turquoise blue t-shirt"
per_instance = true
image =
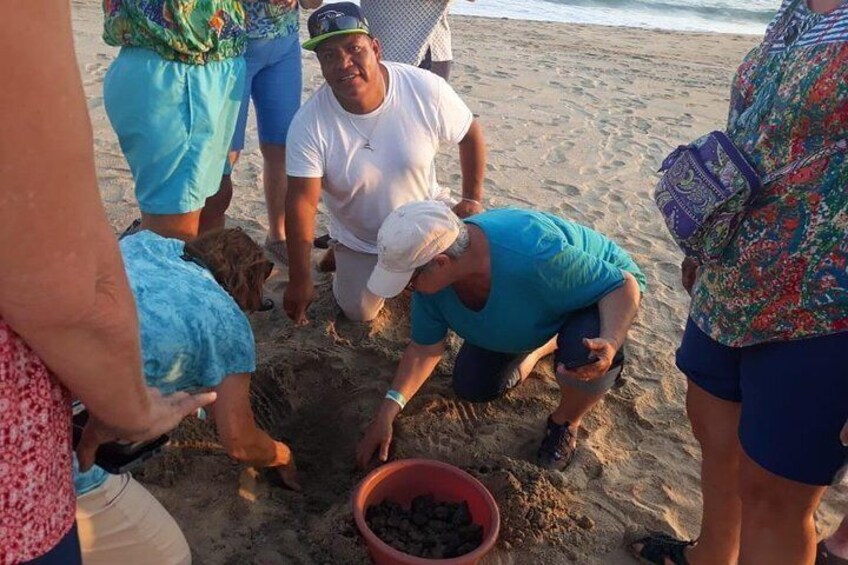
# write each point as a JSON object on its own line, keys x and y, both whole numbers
{"x": 193, "y": 334}
{"x": 543, "y": 269}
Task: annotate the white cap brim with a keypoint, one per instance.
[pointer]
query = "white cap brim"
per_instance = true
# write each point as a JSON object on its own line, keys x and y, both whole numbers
{"x": 386, "y": 283}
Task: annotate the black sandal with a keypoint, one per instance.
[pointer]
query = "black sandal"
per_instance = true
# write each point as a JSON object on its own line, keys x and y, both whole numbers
{"x": 322, "y": 242}
{"x": 658, "y": 547}
{"x": 825, "y": 557}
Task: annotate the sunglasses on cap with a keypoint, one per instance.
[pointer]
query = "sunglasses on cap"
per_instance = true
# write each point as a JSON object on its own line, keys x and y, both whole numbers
{"x": 336, "y": 21}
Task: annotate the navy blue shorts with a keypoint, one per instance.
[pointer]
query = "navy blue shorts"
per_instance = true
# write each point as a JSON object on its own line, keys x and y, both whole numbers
{"x": 794, "y": 397}
{"x": 481, "y": 375}
{"x": 66, "y": 552}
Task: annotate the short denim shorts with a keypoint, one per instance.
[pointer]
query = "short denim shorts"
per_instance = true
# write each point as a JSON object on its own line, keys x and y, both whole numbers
{"x": 274, "y": 81}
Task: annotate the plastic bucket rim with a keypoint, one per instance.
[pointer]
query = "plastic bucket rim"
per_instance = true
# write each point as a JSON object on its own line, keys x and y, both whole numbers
{"x": 358, "y": 499}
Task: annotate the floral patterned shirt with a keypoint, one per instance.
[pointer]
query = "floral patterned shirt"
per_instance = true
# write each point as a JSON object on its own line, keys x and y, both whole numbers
{"x": 267, "y": 19}
{"x": 785, "y": 275}
{"x": 188, "y": 31}
{"x": 37, "y": 499}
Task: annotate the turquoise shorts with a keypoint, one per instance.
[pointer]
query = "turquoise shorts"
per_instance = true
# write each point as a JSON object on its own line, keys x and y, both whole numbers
{"x": 174, "y": 122}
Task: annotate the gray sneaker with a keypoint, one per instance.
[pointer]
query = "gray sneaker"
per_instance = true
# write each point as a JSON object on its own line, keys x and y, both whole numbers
{"x": 558, "y": 447}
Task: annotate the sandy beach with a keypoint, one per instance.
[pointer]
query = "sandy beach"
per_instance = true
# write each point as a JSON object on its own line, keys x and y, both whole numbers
{"x": 577, "y": 120}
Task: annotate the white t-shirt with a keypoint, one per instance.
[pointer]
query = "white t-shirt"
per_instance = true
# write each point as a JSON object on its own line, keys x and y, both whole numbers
{"x": 362, "y": 186}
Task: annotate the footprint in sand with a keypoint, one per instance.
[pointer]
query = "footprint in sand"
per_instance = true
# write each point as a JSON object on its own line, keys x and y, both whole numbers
{"x": 561, "y": 188}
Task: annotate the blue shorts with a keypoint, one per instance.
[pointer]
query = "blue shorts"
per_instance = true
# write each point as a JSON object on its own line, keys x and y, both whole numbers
{"x": 174, "y": 122}
{"x": 274, "y": 80}
{"x": 481, "y": 375}
{"x": 794, "y": 397}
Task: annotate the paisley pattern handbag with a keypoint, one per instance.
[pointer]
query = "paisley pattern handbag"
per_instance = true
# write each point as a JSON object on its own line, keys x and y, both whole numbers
{"x": 703, "y": 194}
{"x": 708, "y": 185}
{"x": 706, "y": 189}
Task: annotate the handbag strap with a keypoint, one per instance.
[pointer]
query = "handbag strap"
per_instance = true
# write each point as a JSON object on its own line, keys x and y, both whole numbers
{"x": 840, "y": 146}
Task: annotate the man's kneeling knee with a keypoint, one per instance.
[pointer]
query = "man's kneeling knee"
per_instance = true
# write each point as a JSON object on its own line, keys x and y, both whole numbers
{"x": 482, "y": 376}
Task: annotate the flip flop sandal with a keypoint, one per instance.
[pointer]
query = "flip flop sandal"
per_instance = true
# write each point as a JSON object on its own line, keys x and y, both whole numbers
{"x": 657, "y": 548}
{"x": 134, "y": 227}
{"x": 825, "y": 557}
{"x": 322, "y": 242}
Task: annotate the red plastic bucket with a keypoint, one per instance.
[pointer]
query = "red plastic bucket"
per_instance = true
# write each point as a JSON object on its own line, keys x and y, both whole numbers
{"x": 403, "y": 480}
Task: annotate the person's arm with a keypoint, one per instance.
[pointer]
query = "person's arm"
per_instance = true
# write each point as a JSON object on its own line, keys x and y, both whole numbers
{"x": 472, "y": 162}
{"x": 62, "y": 284}
{"x": 617, "y": 311}
{"x": 240, "y": 436}
{"x": 416, "y": 366}
{"x": 301, "y": 207}
{"x": 688, "y": 274}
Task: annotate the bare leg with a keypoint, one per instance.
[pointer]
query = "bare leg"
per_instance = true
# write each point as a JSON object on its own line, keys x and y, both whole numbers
{"x": 178, "y": 226}
{"x": 529, "y": 363}
{"x": 214, "y": 212}
{"x": 715, "y": 423}
{"x": 573, "y": 405}
{"x": 275, "y": 183}
{"x": 777, "y": 517}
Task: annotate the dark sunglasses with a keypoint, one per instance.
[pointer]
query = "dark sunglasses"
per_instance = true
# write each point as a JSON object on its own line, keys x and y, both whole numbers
{"x": 415, "y": 274}
{"x": 333, "y": 22}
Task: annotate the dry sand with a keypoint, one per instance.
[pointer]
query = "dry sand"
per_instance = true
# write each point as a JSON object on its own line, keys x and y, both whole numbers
{"x": 577, "y": 119}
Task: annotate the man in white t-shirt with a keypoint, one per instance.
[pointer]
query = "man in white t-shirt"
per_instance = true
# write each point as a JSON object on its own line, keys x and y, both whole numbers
{"x": 369, "y": 137}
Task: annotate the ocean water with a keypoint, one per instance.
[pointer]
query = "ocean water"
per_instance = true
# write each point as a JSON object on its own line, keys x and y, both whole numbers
{"x": 719, "y": 16}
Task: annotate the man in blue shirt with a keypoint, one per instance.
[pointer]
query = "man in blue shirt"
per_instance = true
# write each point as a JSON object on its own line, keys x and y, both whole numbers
{"x": 516, "y": 285}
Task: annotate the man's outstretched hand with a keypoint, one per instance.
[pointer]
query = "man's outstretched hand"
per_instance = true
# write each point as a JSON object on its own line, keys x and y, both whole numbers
{"x": 166, "y": 412}
{"x": 296, "y": 299}
{"x": 377, "y": 436}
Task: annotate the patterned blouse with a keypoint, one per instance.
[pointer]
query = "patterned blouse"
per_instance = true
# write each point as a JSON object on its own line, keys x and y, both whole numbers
{"x": 785, "y": 275}
{"x": 37, "y": 499}
{"x": 267, "y": 19}
{"x": 188, "y": 31}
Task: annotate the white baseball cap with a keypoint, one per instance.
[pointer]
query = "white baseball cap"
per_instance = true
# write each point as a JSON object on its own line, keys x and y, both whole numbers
{"x": 409, "y": 238}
